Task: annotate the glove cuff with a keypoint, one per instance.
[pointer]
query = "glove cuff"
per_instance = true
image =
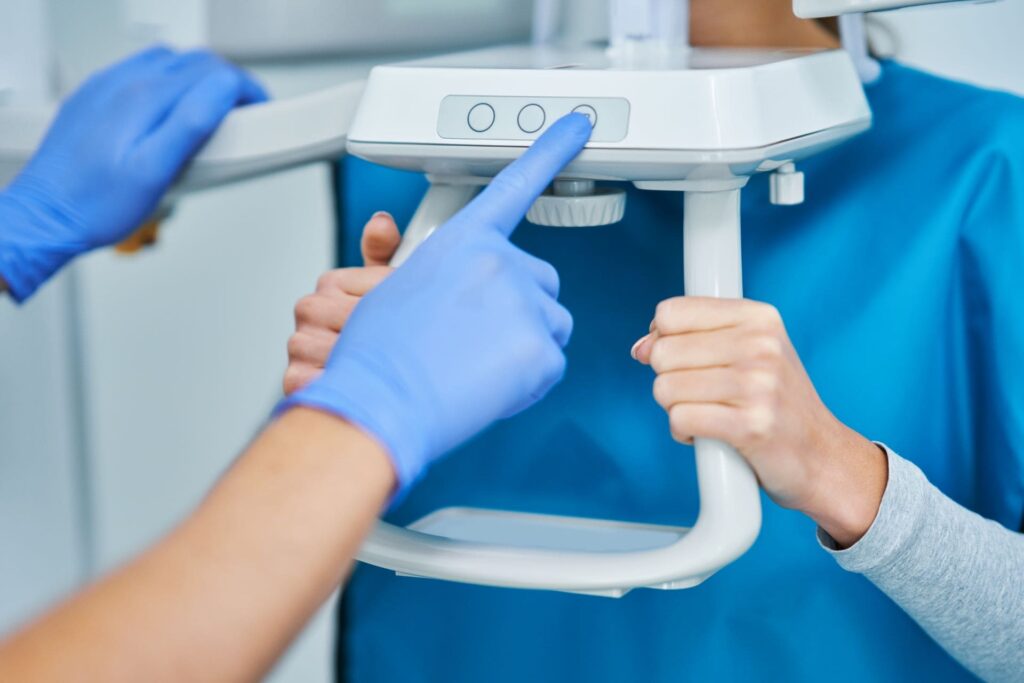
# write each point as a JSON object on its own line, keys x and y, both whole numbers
{"x": 372, "y": 405}
{"x": 31, "y": 250}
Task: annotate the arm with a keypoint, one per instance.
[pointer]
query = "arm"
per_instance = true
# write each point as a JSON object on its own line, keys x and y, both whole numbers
{"x": 424, "y": 364}
{"x": 222, "y": 596}
{"x": 727, "y": 370}
{"x": 956, "y": 573}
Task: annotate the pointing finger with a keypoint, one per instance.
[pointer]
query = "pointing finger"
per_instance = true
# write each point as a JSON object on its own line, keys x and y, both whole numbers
{"x": 510, "y": 195}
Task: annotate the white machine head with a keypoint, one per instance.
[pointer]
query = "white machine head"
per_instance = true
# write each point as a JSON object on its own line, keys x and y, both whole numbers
{"x": 698, "y": 121}
{"x": 812, "y": 9}
{"x": 703, "y": 115}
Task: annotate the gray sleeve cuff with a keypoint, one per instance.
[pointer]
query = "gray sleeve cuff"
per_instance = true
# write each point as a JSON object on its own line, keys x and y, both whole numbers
{"x": 954, "y": 572}
{"x": 894, "y": 527}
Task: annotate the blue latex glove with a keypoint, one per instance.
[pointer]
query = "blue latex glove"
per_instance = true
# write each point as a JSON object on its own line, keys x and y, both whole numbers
{"x": 115, "y": 147}
{"x": 467, "y": 331}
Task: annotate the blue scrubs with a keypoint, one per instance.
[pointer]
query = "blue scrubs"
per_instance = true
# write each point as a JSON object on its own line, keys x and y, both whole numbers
{"x": 899, "y": 281}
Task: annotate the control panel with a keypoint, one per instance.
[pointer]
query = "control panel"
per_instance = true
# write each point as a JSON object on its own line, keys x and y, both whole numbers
{"x": 468, "y": 117}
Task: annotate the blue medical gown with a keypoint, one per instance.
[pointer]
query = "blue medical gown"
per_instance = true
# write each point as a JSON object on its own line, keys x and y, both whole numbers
{"x": 900, "y": 282}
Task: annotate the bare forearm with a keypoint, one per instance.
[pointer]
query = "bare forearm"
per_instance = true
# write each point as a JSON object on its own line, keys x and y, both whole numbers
{"x": 848, "y": 486}
{"x": 222, "y": 596}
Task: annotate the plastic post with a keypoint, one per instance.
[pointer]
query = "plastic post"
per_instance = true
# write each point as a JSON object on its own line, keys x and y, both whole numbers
{"x": 440, "y": 203}
{"x": 729, "y": 494}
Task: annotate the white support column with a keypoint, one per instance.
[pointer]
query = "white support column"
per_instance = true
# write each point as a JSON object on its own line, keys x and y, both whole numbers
{"x": 855, "y": 41}
{"x": 441, "y": 202}
{"x": 713, "y": 267}
{"x": 648, "y": 33}
{"x": 711, "y": 240}
{"x": 547, "y": 21}
{"x": 638, "y": 21}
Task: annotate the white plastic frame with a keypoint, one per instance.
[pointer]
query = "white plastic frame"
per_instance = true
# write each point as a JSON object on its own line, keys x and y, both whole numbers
{"x": 813, "y": 9}
{"x": 730, "y": 512}
{"x": 253, "y": 141}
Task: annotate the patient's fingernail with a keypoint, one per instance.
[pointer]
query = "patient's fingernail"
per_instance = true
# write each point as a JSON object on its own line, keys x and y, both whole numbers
{"x": 382, "y": 214}
{"x": 641, "y": 340}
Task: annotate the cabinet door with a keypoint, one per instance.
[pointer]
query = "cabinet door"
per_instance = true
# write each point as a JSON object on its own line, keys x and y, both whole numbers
{"x": 42, "y": 514}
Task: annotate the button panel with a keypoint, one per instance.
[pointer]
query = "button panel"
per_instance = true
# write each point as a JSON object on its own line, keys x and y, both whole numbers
{"x": 476, "y": 117}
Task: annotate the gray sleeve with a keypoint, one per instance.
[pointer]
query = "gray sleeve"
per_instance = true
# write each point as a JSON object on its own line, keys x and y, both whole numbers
{"x": 957, "y": 574}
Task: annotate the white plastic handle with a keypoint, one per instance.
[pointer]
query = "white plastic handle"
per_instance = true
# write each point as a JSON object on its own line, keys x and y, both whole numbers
{"x": 252, "y": 141}
{"x": 814, "y": 9}
{"x": 730, "y": 513}
{"x": 271, "y": 137}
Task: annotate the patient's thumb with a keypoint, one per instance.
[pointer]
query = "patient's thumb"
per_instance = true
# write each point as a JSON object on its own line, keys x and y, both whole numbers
{"x": 380, "y": 239}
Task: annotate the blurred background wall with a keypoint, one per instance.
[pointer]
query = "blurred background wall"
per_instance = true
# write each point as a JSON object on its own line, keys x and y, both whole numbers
{"x": 130, "y": 383}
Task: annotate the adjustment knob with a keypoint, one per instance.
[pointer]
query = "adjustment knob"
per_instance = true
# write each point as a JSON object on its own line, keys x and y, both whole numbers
{"x": 578, "y": 204}
{"x": 787, "y": 186}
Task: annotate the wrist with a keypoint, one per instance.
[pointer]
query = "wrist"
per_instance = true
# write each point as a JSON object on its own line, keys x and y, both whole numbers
{"x": 32, "y": 248}
{"x": 337, "y": 434}
{"x": 371, "y": 406}
{"x": 848, "y": 486}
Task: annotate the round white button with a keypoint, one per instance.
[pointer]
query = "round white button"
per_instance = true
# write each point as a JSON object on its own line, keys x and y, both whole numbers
{"x": 531, "y": 118}
{"x": 587, "y": 111}
{"x": 481, "y": 117}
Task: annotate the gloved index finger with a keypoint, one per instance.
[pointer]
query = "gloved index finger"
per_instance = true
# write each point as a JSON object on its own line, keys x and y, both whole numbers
{"x": 510, "y": 195}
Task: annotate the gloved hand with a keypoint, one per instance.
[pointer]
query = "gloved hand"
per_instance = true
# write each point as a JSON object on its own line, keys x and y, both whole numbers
{"x": 115, "y": 147}
{"x": 322, "y": 315}
{"x": 467, "y": 331}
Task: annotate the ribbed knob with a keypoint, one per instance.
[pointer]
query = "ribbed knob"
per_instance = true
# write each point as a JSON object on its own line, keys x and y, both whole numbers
{"x": 604, "y": 207}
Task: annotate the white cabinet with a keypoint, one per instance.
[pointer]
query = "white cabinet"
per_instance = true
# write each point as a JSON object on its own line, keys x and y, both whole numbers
{"x": 43, "y": 514}
{"x": 44, "y": 519}
{"x": 183, "y": 351}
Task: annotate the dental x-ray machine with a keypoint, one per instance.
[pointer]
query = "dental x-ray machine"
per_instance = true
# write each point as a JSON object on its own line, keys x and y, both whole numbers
{"x": 665, "y": 117}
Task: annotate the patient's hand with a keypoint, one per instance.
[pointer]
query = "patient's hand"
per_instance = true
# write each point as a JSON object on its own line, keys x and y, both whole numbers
{"x": 320, "y": 317}
{"x": 726, "y": 370}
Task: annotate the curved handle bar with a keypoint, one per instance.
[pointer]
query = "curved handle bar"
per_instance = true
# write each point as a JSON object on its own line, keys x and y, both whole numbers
{"x": 730, "y": 513}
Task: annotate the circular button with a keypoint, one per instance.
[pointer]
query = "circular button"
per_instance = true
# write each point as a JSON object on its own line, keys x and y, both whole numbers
{"x": 531, "y": 118}
{"x": 481, "y": 117}
{"x": 587, "y": 111}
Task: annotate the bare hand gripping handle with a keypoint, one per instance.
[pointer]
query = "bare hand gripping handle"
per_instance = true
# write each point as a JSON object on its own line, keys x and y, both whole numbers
{"x": 730, "y": 515}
